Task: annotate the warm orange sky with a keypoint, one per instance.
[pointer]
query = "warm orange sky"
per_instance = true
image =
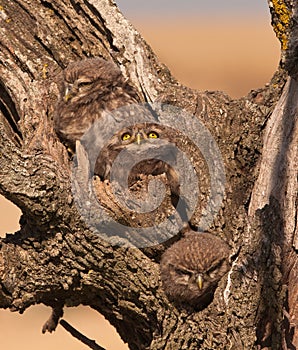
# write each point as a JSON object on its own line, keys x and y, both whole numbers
{"x": 231, "y": 55}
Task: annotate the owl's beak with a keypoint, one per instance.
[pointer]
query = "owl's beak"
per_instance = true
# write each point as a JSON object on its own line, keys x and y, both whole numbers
{"x": 138, "y": 138}
{"x": 200, "y": 281}
{"x": 67, "y": 94}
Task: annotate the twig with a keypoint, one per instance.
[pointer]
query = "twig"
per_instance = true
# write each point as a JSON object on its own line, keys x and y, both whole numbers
{"x": 91, "y": 343}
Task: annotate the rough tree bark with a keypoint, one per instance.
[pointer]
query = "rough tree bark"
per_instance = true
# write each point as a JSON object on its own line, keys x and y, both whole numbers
{"x": 55, "y": 260}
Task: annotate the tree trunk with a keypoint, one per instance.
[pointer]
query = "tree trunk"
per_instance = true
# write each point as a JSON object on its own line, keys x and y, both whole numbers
{"x": 56, "y": 260}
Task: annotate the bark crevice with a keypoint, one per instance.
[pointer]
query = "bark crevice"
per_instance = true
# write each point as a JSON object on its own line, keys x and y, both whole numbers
{"x": 55, "y": 255}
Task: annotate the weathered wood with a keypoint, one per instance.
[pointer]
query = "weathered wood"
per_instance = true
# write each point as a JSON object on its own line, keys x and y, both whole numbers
{"x": 55, "y": 257}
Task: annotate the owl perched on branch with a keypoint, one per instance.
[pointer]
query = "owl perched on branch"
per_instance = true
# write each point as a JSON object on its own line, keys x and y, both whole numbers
{"x": 87, "y": 88}
{"x": 192, "y": 268}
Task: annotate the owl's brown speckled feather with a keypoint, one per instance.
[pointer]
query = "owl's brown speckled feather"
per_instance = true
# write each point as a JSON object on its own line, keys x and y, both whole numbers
{"x": 87, "y": 88}
{"x": 155, "y": 166}
{"x": 192, "y": 268}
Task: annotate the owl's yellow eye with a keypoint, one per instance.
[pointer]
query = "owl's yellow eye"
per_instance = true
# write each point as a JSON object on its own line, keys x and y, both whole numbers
{"x": 153, "y": 135}
{"x": 125, "y": 136}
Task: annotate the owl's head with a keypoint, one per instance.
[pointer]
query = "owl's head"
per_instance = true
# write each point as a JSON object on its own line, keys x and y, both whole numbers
{"x": 81, "y": 79}
{"x": 87, "y": 89}
{"x": 138, "y": 139}
{"x": 192, "y": 268}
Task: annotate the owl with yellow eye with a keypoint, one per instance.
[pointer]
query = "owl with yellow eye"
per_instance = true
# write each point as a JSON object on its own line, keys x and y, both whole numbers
{"x": 142, "y": 136}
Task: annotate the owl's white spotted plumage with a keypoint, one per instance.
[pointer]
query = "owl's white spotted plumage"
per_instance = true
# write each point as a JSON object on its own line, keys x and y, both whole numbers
{"x": 192, "y": 267}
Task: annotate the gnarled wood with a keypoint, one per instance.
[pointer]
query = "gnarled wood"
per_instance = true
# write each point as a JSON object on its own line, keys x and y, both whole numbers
{"x": 55, "y": 259}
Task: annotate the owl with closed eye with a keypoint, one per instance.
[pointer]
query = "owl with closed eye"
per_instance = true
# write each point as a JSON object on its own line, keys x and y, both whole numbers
{"x": 192, "y": 267}
{"x": 87, "y": 89}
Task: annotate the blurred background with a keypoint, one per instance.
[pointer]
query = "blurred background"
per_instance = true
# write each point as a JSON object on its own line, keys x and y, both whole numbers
{"x": 224, "y": 45}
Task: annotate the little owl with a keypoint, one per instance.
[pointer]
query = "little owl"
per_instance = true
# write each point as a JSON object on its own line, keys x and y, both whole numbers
{"x": 87, "y": 88}
{"x": 192, "y": 267}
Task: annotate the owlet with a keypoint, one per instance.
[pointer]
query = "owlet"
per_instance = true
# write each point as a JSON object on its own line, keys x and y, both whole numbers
{"x": 192, "y": 267}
